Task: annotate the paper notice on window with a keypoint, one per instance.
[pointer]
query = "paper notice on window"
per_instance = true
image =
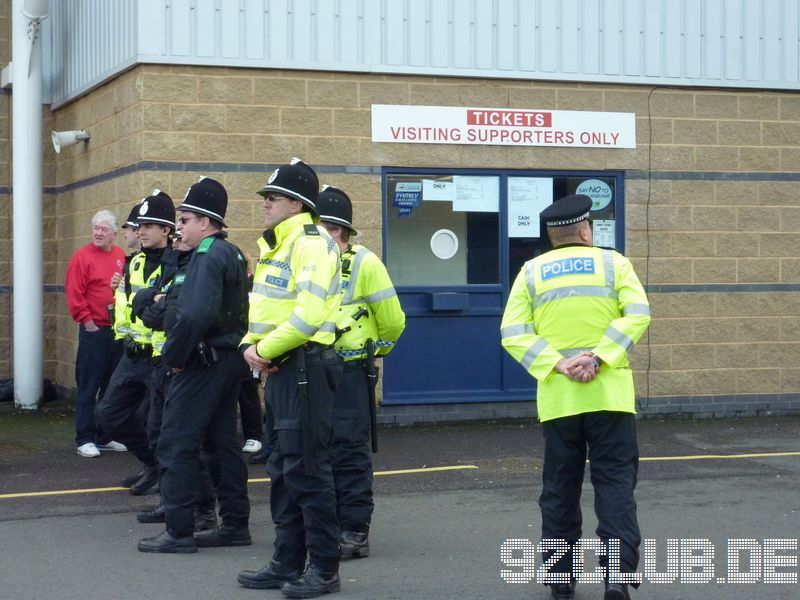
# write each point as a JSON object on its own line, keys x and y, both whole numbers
{"x": 476, "y": 194}
{"x": 604, "y": 233}
{"x": 527, "y": 197}
{"x": 438, "y": 191}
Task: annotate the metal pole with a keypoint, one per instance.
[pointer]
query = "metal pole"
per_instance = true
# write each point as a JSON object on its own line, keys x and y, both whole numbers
{"x": 27, "y": 208}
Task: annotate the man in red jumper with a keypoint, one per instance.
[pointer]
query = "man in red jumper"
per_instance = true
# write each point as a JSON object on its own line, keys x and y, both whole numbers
{"x": 89, "y": 298}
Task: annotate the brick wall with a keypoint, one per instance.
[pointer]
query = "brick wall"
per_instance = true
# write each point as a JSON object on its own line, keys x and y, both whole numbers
{"x": 720, "y": 211}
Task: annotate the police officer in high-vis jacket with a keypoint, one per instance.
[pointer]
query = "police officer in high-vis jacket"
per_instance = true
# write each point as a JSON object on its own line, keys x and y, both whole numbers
{"x": 201, "y": 349}
{"x": 293, "y": 308}
{"x": 131, "y": 382}
{"x": 370, "y": 320}
{"x": 572, "y": 319}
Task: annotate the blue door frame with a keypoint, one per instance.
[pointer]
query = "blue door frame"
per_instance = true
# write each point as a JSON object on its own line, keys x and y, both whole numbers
{"x": 450, "y": 351}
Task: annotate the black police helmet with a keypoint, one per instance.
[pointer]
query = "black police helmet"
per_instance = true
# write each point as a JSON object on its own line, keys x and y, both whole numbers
{"x": 296, "y": 180}
{"x": 132, "y": 217}
{"x": 207, "y": 197}
{"x": 567, "y": 210}
{"x": 334, "y": 206}
{"x": 157, "y": 208}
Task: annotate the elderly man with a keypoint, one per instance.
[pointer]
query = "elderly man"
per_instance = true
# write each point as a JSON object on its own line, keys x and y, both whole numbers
{"x": 90, "y": 298}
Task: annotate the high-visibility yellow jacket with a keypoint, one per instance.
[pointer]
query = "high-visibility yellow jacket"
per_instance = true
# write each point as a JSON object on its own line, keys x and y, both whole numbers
{"x": 124, "y": 322}
{"x": 570, "y": 300}
{"x": 295, "y": 296}
{"x": 366, "y": 285}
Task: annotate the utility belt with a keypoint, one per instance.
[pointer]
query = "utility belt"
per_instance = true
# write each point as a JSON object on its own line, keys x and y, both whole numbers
{"x": 134, "y": 349}
{"x": 359, "y": 364}
{"x": 203, "y": 356}
{"x": 318, "y": 350}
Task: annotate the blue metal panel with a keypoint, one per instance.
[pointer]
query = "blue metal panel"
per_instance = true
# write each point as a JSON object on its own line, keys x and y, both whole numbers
{"x": 672, "y": 41}
{"x": 205, "y": 14}
{"x": 770, "y": 58}
{"x": 789, "y": 40}
{"x": 652, "y": 38}
{"x": 547, "y": 34}
{"x": 611, "y": 37}
{"x": 254, "y": 22}
{"x": 712, "y": 50}
{"x": 349, "y": 21}
{"x": 632, "y": 34}
{"x": 230, "y": 25}
{"x": 751, "y": 38}
{"x": 732, "y": 45}
{"x": 327, "y": 22}
{"x": 589, "y": 36}
{"x": 462, "y": 33}
{"x": 372, "y": 33}
{"x": 180, "y": 24}
{"x": 568, "y": 35}
{"x": 440, "y": 35}
{"x": 483, "y": 32}
{"x": 303, "y": 34}
{"x": 417, "y": 31}
{"x": 692, "y": 41}
{"x": 528, "y": 51}
{"x": 277, "y": 31}
{"x": 506, "y": 35}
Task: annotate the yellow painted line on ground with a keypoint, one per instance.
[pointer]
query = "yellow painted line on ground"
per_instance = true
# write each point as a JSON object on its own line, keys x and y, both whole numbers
{"x": 723, "y": 456}
{"x": 258, "y": 480}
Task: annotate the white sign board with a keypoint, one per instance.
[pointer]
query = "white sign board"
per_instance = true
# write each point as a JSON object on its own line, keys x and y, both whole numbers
{"x": 527, "y": 197}
{"x": 502, "y": 126}
{"x": 604, "y": 233}
{"x": 476, "y": 194}
{"x": 438, "y": 191}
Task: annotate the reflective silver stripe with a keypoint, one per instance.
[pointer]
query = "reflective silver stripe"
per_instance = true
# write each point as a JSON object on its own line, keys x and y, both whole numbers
{"x": 636, "y": 309}
{"x": 328, "y": 327}
{"x": 575, "y": 291}
{"x": 358, "y": 300}
{"x": 124, "y": 329}
{"x": 273, "y": 292}
{"x": 158, "y": 345}
{"x": 335, "y": 288}
{"x": 570, "y": 352}
{"x": 533, "y": 352}
{"x": 608, "y": 266}
{"x": 302, "y": 326}
{"x": 136, "y": 288}
{"x": 382, "y": 295}
{"x": 520, "y": 329}
{"x": 354, "y": 268}
{"x": 313, "y": 288}
{"x": 260, "y": 327}
{"x": 620, "y": 338}
{"x": 529, "y": 278}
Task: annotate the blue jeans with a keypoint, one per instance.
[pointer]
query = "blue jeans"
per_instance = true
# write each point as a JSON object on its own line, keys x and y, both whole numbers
{"x": 93, "y": 367}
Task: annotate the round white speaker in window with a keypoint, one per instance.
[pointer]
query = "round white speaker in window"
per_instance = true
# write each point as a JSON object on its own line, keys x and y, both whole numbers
{"x": 444, "y": 244}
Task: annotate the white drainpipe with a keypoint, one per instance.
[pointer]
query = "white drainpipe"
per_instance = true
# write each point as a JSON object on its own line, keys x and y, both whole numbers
{"x": 26, "y": 53}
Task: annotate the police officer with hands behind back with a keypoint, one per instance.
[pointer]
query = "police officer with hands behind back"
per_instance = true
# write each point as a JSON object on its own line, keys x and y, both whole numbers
{"x": 293, "y": 309}
{"x": 370, "y": 321}
{"x": 572, "y": 318}
{"x": 201, "y": 349}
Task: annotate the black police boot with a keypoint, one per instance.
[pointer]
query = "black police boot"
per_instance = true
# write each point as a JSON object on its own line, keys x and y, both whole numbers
{"x": 224, "y": 535}
{"x": 205, "y": 519}
{"x": 353, "y": 544}
{"x": 146, "y": 482}
{"x": 131, "y": 479}
{"x": 616, "y": 591}
{"x": 314, "y": 582}
{"x": 260, "y": 457}
{"x": 168, "y": 544}
{"x": 562, "y": 591}
{"x": 271, "y": 577}
{"x": 156, "y": 515}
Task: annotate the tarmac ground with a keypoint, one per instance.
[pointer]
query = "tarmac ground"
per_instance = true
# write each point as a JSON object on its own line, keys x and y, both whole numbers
{"x": 448, "y": 498}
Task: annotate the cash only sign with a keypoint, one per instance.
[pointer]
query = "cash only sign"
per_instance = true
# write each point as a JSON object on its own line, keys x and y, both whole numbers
{"x": 502, "y": 126}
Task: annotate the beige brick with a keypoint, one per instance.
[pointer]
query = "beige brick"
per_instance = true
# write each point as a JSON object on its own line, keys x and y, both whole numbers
{"x": 716, "y": 106}
{"x": 672, "y": 158}
{"x": 714, "y": 270}
{"x": 758, "y": 381}
{"x": 306, "y": 121}
{"x": 156, "y": 117}
{"x": 672, "y": 104}
{"x": 483, "y": 95}
{"x": 714, "y": 382}
{"x": 734, "y": 355}
{"x": 623, "y": 159}
{"x": 789, "y": 326}
{"x": 225, "y": 147}
{"x": 434, "y": 95}
{"x": 779, "y": 304}
{"x": 739, "y": 133}
{"x": 671, "y": 383}
{"x": 683, "y": 305}
{"x": 789, "y": 159}
{"x": 379, "y": 153}
{"x": 226, "y": 90}
{"x": 352, "y": 122}
{"x": 789, "y": 107}
{"x": 168, "y": 88}
{"x": 658, "y": 358}
{"x": 253, "y": 119}
{"x": 197, "y": 117}
{"x": 716, "y": 330}
{"x": 692, "y": 244}
{"x": 780, "y": 133}
{"x": 790, "y": 380}
{"x": 711, "y": 218}
{"x": 626, "y": 100}
{"x": 778, "y": 244}
{"x": 716, "y": 158}
{"x": 441, "y": 155}
{"x": 332, "y": 94}
{"x": 243, "y": 186}
{"x": 691, "y": 192}
{"x": 729, "y": 193}
{"x": 757, "y": 270}
{"x": 694, "y": 131}
{"x": 279, "y": 149}
{"x": 664, "y": 131}
{"x": 693, "y": 356}
{"x": 531, "y": 97}
{"x": 790, "y": 271}
{"x": 275, "y": 91}
{"x": 669, "y": 270}
{"x": 777, "y": 193}
{"x": 762, "y": 107}
{"x": 760, "y": 218}
{"x": 759, "y": 159}
{"x": 757, "y": 329}
{"x": 332, "y": 151}
{"x": 169, "y": 146}
{"x": 370, "y": 93}
{"x": 240, "y": 214}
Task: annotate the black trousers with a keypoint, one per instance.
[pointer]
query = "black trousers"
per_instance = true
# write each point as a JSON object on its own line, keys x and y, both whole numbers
{"x": 613, "y": 452}
{"x": 94, "y": 365}
{"x": 351, "y": 455}
{"x": 201, "y": 404}
{"x": 250, "y": 410}
{"x": 118, "y": 410}
{"x": 162, "y": 376}
{"x": 302, "y": 501}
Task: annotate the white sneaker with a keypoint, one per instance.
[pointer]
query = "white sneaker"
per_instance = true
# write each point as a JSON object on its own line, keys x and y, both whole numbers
{"x": 88, "y": 450}
{"x": 251, "y": 446}
{"x": 113, "y": 447}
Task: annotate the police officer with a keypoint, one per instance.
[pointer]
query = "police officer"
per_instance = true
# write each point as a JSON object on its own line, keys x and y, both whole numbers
{"x": 201, "y": 350}
{"x": 370, "y": 315}
{"x": 572, "y": 318}
{"x": 131, "y": 382}
{"x": 293, "y": 310}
